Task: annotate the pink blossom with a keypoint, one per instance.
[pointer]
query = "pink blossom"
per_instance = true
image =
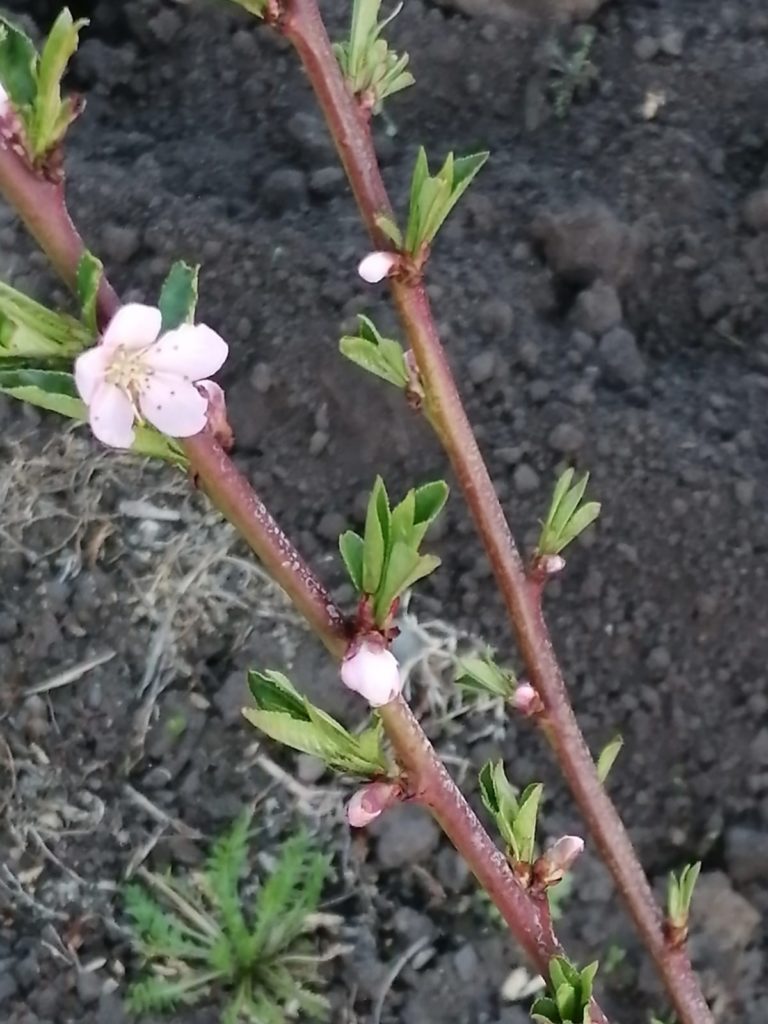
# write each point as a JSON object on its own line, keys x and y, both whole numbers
{"x": 551, "y": 565}
{"x": 377, "y": 265}
{"x": 372, "y": 671}
{"x": 369, "y": 802}
{"x": 137, "y": 373}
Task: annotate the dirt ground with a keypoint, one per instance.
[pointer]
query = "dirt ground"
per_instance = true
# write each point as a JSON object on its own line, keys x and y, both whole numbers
{"x": 603, "y": 293}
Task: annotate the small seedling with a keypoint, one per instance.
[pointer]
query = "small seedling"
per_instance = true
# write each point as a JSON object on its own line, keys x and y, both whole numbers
{"x": 515, "y": 814}
{"x": 372, "y": 71}
{"x": 679, "y": 898}
{"x": 199, "y": 939}
{"x": 572, "y": 71}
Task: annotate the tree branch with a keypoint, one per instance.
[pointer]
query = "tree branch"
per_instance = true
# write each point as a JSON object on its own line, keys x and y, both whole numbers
{"x": 43, "y": 211}
{"x": 303, "y": 26}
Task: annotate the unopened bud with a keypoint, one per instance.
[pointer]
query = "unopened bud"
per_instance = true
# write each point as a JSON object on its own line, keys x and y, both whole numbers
{"x": 550, "y": 868}
{"x": 551, "y": 565}
{"x": 217, "y": 413}
{"x": 527, "y": 701}
{"x": 377, "y": 265}
{"x": 370, "y": 801}
{"x": 371, "y": 670}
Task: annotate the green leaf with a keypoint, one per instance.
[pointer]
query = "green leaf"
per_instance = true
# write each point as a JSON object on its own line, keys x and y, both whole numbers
{"x": 90, "y": 272}
{"x": 404, "y": 568}
{"x": 50, "y": 120}
{"x": 47, "y": 389}
{"x": 273, "y": 691}
{"x": 560, "y": 491}
{"x": 402, "y": 520}
{"x": 565, "y": 519}
{"x": 430, "y": 500}
{"x": 374, "y": 552}
{"x": 29, "y": 329}
{"x": 587, "y": 981}
{"x": 306, "y": 737}
{"x": 389, "y": 228}
{"x": 525, "y": 821}
{"x": 420, "y": 176}
{"x": 18, "y": 64}
{"x": 178, "y": 298}
{"x": 376, "y": 354}
{"x": 608, "y": 756}
{"x": 581, "y": 519}
{"x": 544, "y": 1010}
{"x": 483, "y": 675}
{"x": 352, "y": 548}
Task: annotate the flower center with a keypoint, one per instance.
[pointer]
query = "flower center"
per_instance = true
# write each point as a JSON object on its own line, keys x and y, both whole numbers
{"x": 128, "y": 371}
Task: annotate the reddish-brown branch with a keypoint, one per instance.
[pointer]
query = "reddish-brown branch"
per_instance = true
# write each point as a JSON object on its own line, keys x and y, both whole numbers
{"x": 42, "y": 209}
{"x": 303, "y": 25}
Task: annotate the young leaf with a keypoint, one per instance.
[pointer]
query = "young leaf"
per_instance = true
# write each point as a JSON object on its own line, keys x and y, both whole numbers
{"x": 608, "y": 756}
{"x": 90, "y": 271}
{"x": 390, "y": 229}
{"x": 404, "y": 568}
{"x": 430, "y": 500}
{"x": 18, "y": 64}
{"x": 525, "y": 822}
{"x": 51, "y": 116}
{"x": 483, "y": 675}
{"x": 178, "y": 298}
{"x": 351, "y": 548}
{"x": 29, "y": 329}
{"x": 566, "y": 518}
{"x": 375, "y": 543}
{"x": 380, "y": 356}
{"x": 47, "y": 389}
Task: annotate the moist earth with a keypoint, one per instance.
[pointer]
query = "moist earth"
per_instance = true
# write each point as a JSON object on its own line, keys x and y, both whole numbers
{"x": 602, "y": 292}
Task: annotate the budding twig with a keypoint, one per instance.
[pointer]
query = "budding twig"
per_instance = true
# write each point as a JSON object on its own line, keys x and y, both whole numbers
{"x": 303, "y": 26}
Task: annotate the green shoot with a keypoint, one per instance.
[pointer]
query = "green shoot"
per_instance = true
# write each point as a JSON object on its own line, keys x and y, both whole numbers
{"x": 680, "y": 895}
{"x": 372, "y": 71}
{"x": 567, "y": 517}
{"x": 569, "y": 994}
{"x": 198, "y": 937}
{"x": 515, "y": 814}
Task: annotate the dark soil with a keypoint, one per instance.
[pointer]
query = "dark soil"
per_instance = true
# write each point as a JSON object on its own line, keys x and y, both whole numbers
{"x": 603, "y": 294}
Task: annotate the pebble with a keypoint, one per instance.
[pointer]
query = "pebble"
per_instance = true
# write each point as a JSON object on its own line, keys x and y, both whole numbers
{"x": 646, "y": 48}
{"x": 8, "y": 987}
{"x": 482, "y": 367}
{"x": 89, "y": 987}
{"x": 525, "y": 479}
{"x": 759, "y": 748}
{"x": 327, "y": 182}
{"x": 755, "y": 210}
{"x": 331, "y": 525}
{"x": 165, "y": 26}
{"x": 467, "y": 963}
{"x": 566, "y": 439}
{"x": 597, "y": 309}
{"x": 232, "y": 697}
{"x": 412, "y": 925}
{"x": 408, "y": 836}
{"x": 283, "y": 190}
{"x": 672, "y": 42}
{"x": 496, "y": 317}
{"x": 622, "y": 362}
{"x": 120, "y": 243}
{"x": 746, "y": 854}
{"x": 309, "y": 134}
{"x": 9, "y": 626}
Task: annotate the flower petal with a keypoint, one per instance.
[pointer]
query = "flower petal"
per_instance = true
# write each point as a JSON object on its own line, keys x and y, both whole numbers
{"x": 90, "y": 368}
{"x": 111, "y": 416}
{"x": 377, "y": 265}
{"x": 173, "y": 405}
{"x": 371, "y": 670}
{"x": 133, "y": 326}
{"x": 192, "y": 352}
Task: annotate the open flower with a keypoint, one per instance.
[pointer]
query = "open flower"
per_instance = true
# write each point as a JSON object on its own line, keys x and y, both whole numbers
{"x": 136, "y": 373}
{"x": 372, "y": 671}
{"x": 369, "y": 802}
{"x": 377, "y": 265}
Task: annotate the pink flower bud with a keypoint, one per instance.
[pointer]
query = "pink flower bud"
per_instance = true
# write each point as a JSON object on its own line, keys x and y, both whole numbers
{"x": 217, "y": 413}
{"x": 551, "y": 565}
{"x": 526, "y": 700}
{"x": 369, "y": 802}
{"x": 377, "y": 265}
{"x": 372, "y": 671}
{"x": 550, "y": 868}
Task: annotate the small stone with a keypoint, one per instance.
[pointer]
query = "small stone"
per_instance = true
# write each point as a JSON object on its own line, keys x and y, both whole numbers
{"x": 327, "y": 182}
{"x": 9, "y": 626}
{"x": 526, "y": 479}
{"x": 311, "y": 138}
{"x": 745, "y": 492}
{"x": 658, "y": 662}
{"x": 331, "y": 526}
{"x": 672, "y": 42}
{"x": 466, "y": 963}
{"x": 408, "y": 835}
{"x": 232, "y": 697}
{"x": 496, "y": 318}
{"x": 755, "y": 210}
{"x": 746, "y": 854}
{"x": 111, "y": 1010}
{"x": 309, "y": 769}
{"x": 482, "y": 367}
{"x": 646, "y": 48}
{"x": 412, "y": 925}
{"x": 566, "y": 439}
{"x": 585, "y": 243}
{"x": 319, "y": 442}
{"x": 451, "y": 869}
{"x": 283, "y": 190}
{"x": 8, "y": 987}
{"x": 165, "y": 26}
{"x": 759, "y": 748}
{"x": 622, "y": 362}
{"x": 597, "y": 309}
{"x": 89, "y": 987}
{"x": 120, "y": 243}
